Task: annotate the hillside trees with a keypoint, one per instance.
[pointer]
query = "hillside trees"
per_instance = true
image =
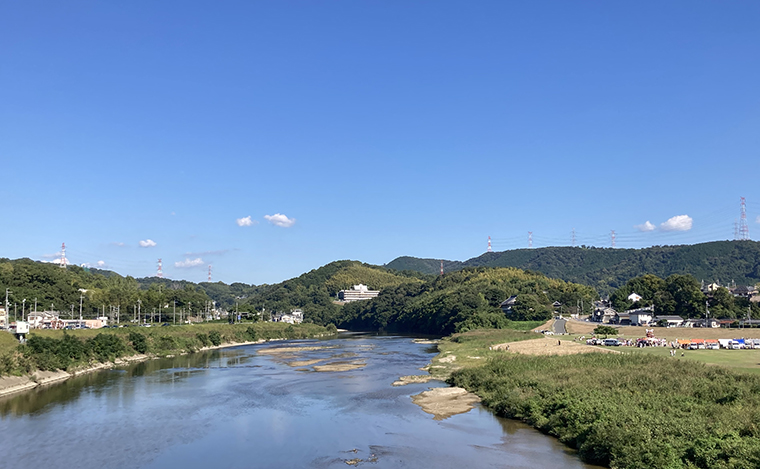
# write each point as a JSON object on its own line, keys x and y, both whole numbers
{"x": 462, "y": 300}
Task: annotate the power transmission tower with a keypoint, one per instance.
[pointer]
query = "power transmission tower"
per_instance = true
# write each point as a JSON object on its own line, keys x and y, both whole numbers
{"x": 530, "y": 239}
{"x": 743, "y": 226}
{"x": 612, "y": 237}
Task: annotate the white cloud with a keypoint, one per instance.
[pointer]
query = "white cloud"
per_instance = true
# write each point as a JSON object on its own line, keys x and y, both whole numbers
{"x": 101, "y": 263}
{"x": 117, "y": 243}
{"x": 646, "y": 226}
{"x": 677, "y": 223}
{"x": 148, "y": 243}
{"x": 189, "y": 263}
{"x": 246, "y": 221}
{"x": 281, "y": 220}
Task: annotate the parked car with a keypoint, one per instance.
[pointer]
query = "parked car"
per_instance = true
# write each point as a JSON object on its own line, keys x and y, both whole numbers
{"x": 611, "y": 342}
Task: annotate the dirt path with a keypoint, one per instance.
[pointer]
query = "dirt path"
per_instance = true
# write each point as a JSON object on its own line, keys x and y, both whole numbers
{"x": 550, "y": 346}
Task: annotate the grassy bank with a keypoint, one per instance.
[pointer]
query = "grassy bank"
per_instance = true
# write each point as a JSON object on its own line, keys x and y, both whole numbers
{"x": 472, "y": 349}
{"x": 626, "y": 410}
{"x": 49, "y": 350}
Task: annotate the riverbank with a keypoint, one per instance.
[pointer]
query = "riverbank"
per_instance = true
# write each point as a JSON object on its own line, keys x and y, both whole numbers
{"x": 621, "y": 410}
{"x": 128, "y": 345}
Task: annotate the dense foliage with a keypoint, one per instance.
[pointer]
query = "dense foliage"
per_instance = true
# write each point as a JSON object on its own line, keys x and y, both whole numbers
{"x": 606, "y": 269}
{"x": 316, "y": 291}
{"x": 682, "y": 295}
{"x": 461, "y": 301}
{"x": 60, "y": 289}
{"x": 57, "y": 350}
{"x": 629, "y": 411}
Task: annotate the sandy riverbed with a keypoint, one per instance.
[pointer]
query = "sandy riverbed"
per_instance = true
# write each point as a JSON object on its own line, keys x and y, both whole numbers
{"x": 442, "y": 403}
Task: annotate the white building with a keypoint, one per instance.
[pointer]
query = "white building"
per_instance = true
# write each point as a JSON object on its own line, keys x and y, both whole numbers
{"x": 634, "y": 297}
{"x": 294, "y": 317}
{"x": 357, "y": 293}
{"x": 641, "y": 316}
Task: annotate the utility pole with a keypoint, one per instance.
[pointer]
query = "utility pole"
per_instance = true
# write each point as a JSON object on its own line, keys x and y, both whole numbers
{"x": 174, "y": 311}
{"x": 7, "y": 309}
{"x": 23, "y": 303}
{"x": 139, "y": 303}
{"x": 81, "y": 297}
{"x": 35, "y": 305}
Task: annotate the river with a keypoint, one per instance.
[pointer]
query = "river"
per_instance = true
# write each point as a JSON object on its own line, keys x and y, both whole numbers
{"x": 237, "y": 408}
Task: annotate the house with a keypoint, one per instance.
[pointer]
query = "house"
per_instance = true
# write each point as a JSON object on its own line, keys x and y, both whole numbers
{"x": 669, "y": 320}
{"x": 623, "y": 319}
{"x": 714, "y": 323}
{"x": 357, "y": 293}
{"x": 507, "y": 305}
{"x": 294, "y": 317}
{"x": 634, "y": 297}
{"x": 603, "y": 314}
{"x": 744, "y": 291}
{"x": 641, "y": 316}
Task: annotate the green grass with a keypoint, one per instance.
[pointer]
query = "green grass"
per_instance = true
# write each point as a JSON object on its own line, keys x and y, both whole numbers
{"x": 471, "y": 349}
{"x": 742, "y": 360}
{"x": 629, "y": 410}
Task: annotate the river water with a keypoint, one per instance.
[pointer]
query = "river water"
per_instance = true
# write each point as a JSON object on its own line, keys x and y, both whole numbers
{"x": 237, "y": 408}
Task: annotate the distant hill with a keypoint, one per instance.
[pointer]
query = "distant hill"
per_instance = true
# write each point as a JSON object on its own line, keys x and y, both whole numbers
{"x": 607, "y": 269}
{"x": 316, "y": 290}
{"x": 464, "y": 300}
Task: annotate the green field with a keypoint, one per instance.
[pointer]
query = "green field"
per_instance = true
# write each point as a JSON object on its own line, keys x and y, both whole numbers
{"x": 741, "y": 360}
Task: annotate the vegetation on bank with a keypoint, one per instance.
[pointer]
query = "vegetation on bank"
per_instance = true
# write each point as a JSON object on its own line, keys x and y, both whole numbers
{"x": 607, "y": 269}
{"x": 49, "y": 350}
{"x": 624, "y": 410}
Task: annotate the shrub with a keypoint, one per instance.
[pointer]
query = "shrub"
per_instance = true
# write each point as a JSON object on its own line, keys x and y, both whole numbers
{"x": 203, "y": 339}
{"x": 215, "y": 338}
{"x": 605, "y": 330}
{"x": 139, "y": 342}
{"x": 252, "y": 334}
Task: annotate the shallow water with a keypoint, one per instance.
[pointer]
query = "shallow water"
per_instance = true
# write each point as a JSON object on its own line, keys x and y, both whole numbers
{"x": 234, "y": 408}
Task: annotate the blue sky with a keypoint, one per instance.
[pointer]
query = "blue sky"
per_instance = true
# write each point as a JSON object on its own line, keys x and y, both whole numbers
{"x": 369, "y": 130}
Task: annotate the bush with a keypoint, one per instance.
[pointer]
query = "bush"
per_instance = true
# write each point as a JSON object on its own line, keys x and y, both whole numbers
{"x": 605, "y": 330}
{"x": 252, "y": 334}
{"x": 139, "y": 342}
{"x": 215, "y": 338}
{"x": 203, "y": 339}
{"x": 106, "y": 347}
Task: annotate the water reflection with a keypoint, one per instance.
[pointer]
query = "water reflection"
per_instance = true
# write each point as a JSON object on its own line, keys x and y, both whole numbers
{"x": 225, "y": 407}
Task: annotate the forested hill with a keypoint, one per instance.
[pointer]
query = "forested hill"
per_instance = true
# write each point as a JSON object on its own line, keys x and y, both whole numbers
{"x": 313, "y": 291}
{"x": 607, "y": 269}
{"x": 316, "y": 290}
{"x": 465, "y": 300}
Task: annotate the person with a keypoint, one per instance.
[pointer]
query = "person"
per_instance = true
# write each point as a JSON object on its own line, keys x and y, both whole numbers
{"x": 559, "y": 342}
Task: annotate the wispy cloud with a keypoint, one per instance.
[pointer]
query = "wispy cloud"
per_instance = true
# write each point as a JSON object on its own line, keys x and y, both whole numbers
{"x": 646, "y": 226}
{"x": 246, "y": 221}
{"x": 677, "y": 223}
{"x": 148, "y": 243}
{"x": 189, "y": 263}
{"x": 219, "y": 252}
{"x": 117, "y": 243}
{"x": 280, "y": 220}
{"x": 757, "y": 220}
{"x": 57, "y": 255}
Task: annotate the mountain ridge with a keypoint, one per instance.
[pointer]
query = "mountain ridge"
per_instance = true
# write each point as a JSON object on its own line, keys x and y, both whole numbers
{"x": 607, "y": 269}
